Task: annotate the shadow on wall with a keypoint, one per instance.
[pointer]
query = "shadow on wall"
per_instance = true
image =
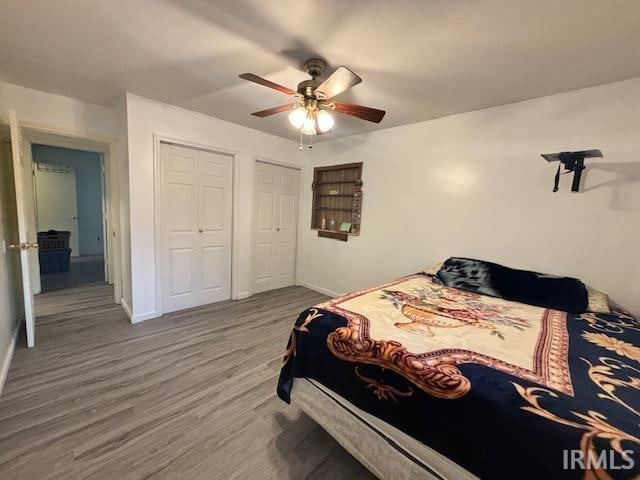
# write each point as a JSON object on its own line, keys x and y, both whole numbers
{"x": 623, "y": 174}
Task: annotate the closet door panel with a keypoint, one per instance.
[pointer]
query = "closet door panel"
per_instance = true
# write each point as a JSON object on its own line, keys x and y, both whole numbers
{"x": 181, "y": 265}
{"x": 214, "y": 212}
{"x": 265, "y": 234}
{"x": 196, "y": 227}
{"x": 212, "y": 204}
{"x": 275, "y": 222}
{"x": 212, "y": 268}
{"x": 180, "y": 241}
{"x": 263, "y": 264}
{"x": 288, "y": 181}
{"x": 181, "y": 208}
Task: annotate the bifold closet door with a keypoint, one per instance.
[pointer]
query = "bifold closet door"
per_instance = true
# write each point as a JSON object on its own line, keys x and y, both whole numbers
{"x": 196, "y": 226}
{"x": 275, "y": 226}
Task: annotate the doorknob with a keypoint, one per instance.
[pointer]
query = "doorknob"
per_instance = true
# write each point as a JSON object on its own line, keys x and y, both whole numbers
{"x": 74, "y": 218}
{"x": 199, "y": 230}
{"x": 277, "y": 229}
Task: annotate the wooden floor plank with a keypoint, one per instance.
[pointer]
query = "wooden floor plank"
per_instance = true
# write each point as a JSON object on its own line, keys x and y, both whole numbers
{"x": 189, "y": 395}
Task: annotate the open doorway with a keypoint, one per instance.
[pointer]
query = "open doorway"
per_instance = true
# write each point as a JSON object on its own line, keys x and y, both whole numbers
{"x": 70, "y": 215}
{"x": 24, "y": 209}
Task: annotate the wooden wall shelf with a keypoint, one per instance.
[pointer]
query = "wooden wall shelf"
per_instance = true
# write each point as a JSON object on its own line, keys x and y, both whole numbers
{"x": 335, "y": 209}
{"x": 336, "y": 195}
{"x": 336, "y": 181}
{"x": 337, "y": 200}
{"x": 335, "y": 235}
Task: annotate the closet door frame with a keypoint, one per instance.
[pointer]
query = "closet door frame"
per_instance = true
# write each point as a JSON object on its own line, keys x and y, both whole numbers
{"x": 158, "y": 139}
{"x": 262, "y": 159}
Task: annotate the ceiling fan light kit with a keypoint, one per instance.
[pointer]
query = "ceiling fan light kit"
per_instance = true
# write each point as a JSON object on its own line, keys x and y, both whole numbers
{"x": 310, "y": 114}
{"x": 310, "y": 120}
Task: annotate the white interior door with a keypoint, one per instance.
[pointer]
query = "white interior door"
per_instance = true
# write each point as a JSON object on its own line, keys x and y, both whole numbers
{"x": 56, "y": 201}
{"x": 275, "y": 226}
{"x": 27, "y": 244}
{"x": 196, "y": 227}
{"x": 214, "y": 225}
{"x": 106, "y": 244}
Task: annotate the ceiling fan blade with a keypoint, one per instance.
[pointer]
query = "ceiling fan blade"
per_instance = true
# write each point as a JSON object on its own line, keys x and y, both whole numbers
{"x": 339, "y": 81}
{"x": 274, "y": 110}
{"x": 365, "y": 113}
{"x": 266, "y": 83}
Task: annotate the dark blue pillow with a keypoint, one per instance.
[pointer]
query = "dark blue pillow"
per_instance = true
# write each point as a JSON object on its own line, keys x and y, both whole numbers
{"x": 543, "y": 290}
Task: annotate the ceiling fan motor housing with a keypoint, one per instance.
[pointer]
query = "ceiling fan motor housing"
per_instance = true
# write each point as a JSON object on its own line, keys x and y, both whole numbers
{"x": 315, "y": 66}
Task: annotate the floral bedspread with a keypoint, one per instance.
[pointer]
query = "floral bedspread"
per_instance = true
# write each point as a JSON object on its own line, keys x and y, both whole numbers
{"x": 504, "y": 389}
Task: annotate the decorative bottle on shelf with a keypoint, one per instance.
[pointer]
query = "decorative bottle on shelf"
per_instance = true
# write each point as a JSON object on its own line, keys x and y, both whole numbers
{"x": 323, "y": 224}
{"x": 332, "y": 224}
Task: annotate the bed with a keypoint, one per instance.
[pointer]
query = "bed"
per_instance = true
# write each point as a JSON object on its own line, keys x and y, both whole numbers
{"x": 422, "y": 380}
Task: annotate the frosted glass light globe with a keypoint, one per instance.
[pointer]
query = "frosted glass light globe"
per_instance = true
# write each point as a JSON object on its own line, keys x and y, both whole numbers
{"x": 309, "y": 126}
{"x": 325, "y": 121}
{"x": 297, "y": 117}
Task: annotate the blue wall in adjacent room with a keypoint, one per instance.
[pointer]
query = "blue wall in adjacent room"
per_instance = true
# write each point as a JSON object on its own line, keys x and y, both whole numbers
{"x": 87, "y": 166}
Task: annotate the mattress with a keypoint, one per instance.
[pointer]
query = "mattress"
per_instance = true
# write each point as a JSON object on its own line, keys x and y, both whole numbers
{"x": 383, "y": 449}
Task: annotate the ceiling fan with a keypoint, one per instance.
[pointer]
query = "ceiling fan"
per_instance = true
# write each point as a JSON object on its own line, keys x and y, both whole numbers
{"x": 310, "y": 113}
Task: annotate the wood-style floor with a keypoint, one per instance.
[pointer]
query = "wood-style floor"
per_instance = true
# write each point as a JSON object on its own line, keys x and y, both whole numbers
{"x": 82, "y": 270}
{"x": 187, "y": 396}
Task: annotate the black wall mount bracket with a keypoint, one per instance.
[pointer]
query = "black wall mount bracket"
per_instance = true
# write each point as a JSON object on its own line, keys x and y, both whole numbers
{"x": 572, "y": 162}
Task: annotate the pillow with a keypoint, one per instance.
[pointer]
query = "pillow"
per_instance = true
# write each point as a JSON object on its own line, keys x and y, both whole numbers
{"x": 598, "y": 301}
{"x": 543, "y": 290}
{"x": 433, "y": 269}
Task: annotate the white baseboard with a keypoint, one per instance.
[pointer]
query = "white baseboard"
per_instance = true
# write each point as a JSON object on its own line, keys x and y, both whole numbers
{"x": 319, "y": 289}
{"x": 127, "y": 309}
{"x": 137, "y": 318}
{"x": 144, "y": 316}
{"x": 6, "y": 361}
{"x": 241, "y": 296}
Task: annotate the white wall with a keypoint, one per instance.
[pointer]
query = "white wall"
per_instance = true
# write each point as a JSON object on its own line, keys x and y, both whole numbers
{"x": 475, "y": 185}
{"x": 11, "y": 311}
{"x": 68, "y": 115}
{"x": 145, "y": 118}
{"x": 121, "y": 172}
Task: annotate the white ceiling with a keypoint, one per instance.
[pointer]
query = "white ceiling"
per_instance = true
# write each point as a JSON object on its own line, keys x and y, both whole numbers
{"x": 419, "y": 59}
